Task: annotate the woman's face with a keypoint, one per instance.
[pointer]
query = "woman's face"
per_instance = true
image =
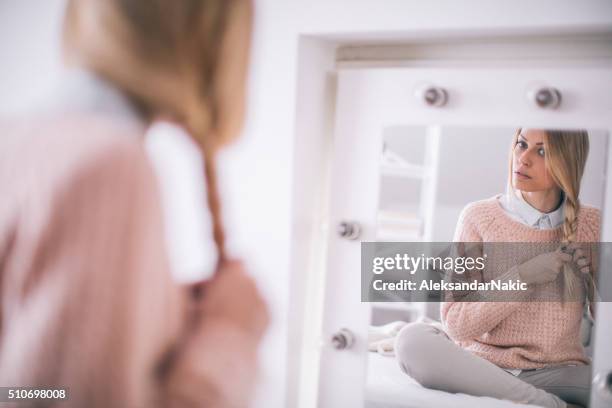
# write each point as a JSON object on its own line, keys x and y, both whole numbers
{"x": 529, "y": 171}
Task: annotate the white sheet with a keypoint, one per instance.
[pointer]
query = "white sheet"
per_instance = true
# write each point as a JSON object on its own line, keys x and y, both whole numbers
{"x": 388, "y": 387}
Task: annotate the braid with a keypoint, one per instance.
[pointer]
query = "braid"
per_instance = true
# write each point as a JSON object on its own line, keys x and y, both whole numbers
{"x": 214, "y": 205}
{"x": 569, "y": 235}
{"x": 209, "y": 149}
{"x": 571, "y": 277}
{"x": 570, "y": 223}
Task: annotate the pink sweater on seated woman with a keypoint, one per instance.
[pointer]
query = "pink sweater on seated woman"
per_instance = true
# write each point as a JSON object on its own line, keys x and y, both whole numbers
{"x": 517, "y": 334}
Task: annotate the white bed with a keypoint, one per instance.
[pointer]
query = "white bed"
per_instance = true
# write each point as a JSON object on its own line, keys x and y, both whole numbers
{"x": 388, "y": 387}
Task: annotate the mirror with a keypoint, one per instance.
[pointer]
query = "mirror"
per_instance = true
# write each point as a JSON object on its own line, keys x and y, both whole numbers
{"x": 428, "y": 175}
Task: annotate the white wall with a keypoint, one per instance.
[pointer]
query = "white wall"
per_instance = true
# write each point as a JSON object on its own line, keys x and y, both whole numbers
{"x": 29, "y": 44}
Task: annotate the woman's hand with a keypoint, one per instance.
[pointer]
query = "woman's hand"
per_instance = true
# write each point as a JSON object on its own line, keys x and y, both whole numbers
{"x": 544, "y": 268}
{"x": 231, "y": 296}
{"x": 579, "y": 258}
{"x": 216, "y": 364}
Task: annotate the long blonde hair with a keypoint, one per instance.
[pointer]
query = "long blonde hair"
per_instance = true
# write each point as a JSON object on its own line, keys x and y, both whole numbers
{"x": 566, "y": 153}
{"x": 165, "y": 56}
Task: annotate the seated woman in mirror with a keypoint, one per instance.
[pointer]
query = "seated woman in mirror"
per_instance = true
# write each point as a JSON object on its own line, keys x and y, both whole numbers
{"x": 528, "y": 352}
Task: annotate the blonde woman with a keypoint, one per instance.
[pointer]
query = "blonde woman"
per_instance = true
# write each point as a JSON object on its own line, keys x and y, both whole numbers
{"x": 524, "y": 351}
{"x": 87, "y": 300}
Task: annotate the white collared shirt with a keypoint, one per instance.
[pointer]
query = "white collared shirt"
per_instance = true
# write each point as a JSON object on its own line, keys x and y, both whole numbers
{"x": 82, "y": 90}
{"x": 517, "y": 208}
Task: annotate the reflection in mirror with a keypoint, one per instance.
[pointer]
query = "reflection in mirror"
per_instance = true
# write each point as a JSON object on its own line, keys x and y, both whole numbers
{"x": 445, "y": 184}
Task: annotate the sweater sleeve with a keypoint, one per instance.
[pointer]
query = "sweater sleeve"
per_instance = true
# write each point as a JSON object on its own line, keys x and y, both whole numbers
{"x": 89, "y": 275}
{"x": 467, "y": 320}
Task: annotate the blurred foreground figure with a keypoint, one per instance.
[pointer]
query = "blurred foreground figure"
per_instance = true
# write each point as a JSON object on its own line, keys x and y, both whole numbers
{"x": 87, "y": 300}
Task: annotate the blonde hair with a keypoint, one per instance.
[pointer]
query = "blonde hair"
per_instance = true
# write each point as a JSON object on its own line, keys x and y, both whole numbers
{"x": 165, "y": 56}
{"x": 566, "y": 153}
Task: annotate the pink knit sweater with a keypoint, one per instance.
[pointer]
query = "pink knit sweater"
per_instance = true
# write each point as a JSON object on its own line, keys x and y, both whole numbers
{"x": 517, "y": 334}
{"x": 86, "y": 296}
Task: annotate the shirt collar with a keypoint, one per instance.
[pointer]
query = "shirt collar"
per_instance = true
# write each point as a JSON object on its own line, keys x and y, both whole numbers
{"x": 532, "y": 216}
{"x": 82, "y": 90}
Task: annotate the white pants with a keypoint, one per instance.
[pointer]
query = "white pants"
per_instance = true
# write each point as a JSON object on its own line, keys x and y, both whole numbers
{"x": 427, "y": 354}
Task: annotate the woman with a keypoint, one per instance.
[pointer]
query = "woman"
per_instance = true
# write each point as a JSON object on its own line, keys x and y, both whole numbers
{"x": 88, "y": 302}
{"x": 525, "y": 351}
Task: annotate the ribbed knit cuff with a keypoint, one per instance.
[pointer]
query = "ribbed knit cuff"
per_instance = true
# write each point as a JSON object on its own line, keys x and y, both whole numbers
{"x": 510, "y": 276}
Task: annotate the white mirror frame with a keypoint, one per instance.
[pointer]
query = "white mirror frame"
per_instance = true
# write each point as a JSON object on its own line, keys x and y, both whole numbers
{"x": 317, "y": 85}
